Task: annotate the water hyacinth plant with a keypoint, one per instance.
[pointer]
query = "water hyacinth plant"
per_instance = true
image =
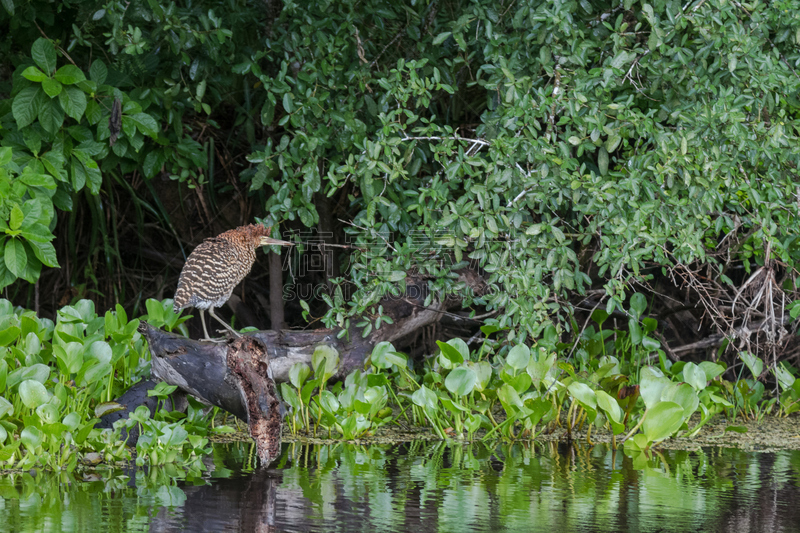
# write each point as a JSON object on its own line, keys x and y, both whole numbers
{"x": 56, "y": 379}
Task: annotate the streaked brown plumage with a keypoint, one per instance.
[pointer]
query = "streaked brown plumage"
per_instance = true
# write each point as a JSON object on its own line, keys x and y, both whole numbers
{"x": 217, "y": 266}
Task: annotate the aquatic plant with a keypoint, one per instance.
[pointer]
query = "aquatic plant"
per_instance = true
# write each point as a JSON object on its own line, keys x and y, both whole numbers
{"x": 56, "y": 379}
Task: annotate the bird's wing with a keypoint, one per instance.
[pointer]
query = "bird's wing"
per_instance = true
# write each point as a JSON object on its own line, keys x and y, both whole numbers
{"x": 207, "y": 273}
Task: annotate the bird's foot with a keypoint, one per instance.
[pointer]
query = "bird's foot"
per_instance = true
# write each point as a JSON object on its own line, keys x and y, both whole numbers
{"x": 229, "y": 333}
{"x": 218, "y": 340}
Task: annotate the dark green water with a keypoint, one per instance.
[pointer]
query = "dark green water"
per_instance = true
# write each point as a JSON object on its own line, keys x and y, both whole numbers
{"x": 422, "y": 487}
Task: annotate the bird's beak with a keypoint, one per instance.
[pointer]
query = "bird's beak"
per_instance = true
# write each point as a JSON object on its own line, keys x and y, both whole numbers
{"x": 268, "y": 241}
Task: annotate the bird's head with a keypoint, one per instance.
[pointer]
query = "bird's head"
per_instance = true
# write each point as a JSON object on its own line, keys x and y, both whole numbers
{"x": 264, "y": 239}
{"x": 257, "y": 235}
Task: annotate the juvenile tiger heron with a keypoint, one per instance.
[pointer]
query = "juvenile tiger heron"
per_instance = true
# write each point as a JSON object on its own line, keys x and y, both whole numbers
{"x": 216, "y": 266}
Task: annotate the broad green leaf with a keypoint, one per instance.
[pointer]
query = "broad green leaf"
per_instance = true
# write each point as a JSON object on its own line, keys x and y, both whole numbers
{"x": 9, "y": 335}
{"x": 711, "y": 370}
{"x": 602, "y": 160}
{"x": 106, "y": 408}
{"x": 16, "y": 218}
{"x": 33, "y": 394}
{"x": 518, "y": 357}
{"x": 38, "y": 180}
{"x": 34, "y": 74}
{"x": 298, "y": 374}
{"x": 521, "y": 382}
{"x": 785, "y": 379}
{"x": 455, "y": 408}
{"x": 146, "y": 124}
{"x": 16, "y": 258}
{"x": 442, "y": 37}
{"x": 6, "y": 407}
{"x": 383, "y": 356}
{"x": 483, "y": 371}
{"x": 694, "y": 376}
{"x": 635, "y": 331}
{"x": 612, "y": 142}
{"x": 538, "y": 407}
{"x": 461, "y": 381}
{"x": 98, "y": 72}
{"x": 609, "y": 404}
{"x": 509, "y": 397}
{"x": 44, "y": 252}
{"x": 100, "y": 351}
{"x": 73, "y": 101}
{"x": 329, "y": 402}
{"x": 289, "y": 396}
{"x": 684, "y": 395}
{"x": 451, "y": 353}
{"x": 52, "y": 88}
{"x": 583, "y": 393}
{"x": 461, "y": 346}
{"x": 538, "y": 369}
{"x": 44, "y": 53}
{"x": 69, "y": 75}
{"x": 424, "y": 397}
{"x": 178, "y": 436}
{"x": 397, "y": 275}
{"x": 51, "y": 116}
{"x": 330, "y": 356}
{"x": 638, "y": 305}
{"x": 652, "y": 383}
{"x": 38, "y": 372}
{"x": 49, "y": 413}
{"x": 78, "y": 173}
{"x": 25, "y": 107}
{"x": 31, "y": 437}
{"x": 72, "y": 420}
{"x": 95, "y": 372}
{"x": 662, "y": 420}
{"x": 755, "y": 364}
{"x": 650, "y": 343}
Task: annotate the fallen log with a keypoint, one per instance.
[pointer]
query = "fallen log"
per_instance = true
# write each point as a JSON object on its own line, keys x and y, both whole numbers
{"x": 201, "y": 368}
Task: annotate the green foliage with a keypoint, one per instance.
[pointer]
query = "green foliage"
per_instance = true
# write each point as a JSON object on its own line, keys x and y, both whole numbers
{"x": 524, "y": 389}
{"x": 53, "y": 375}
{"x": 160, "y": 314}
{"x": 170, "y": 437}
{"x": 355, "y": 408}
{"x": 56, "y": 380}
{"x": 26, "y": 214}
{"x": 556, "y": 146}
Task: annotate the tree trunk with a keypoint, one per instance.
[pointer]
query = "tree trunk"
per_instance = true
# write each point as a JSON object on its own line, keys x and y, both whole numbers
{"x": 276, "y": 292}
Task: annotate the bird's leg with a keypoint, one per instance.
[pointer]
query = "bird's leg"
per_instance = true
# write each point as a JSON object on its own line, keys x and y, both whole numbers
{"x": 203, "y": 320}
{"x": 235, "y": 333}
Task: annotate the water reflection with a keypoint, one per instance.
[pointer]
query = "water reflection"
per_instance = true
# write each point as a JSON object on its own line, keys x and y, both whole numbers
{"x": 423, "y": 487}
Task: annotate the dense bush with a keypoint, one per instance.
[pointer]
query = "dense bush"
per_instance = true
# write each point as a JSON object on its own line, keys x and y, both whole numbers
{"x": 556, "y": 146}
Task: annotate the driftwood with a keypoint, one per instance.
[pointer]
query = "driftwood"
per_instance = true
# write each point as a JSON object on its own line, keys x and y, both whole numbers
{"x": 248, "y": 362}
{"x": 201, "y": 368}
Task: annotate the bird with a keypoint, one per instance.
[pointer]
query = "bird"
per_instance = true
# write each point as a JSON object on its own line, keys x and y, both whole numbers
{"x": 216, "y": 266}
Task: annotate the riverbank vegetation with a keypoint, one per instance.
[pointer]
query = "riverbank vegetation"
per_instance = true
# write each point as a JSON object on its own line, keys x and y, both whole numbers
{"x": 594, "y": 205}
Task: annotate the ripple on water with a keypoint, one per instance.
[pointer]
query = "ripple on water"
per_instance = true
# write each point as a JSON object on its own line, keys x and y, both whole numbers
{"x": 425, "y": 486}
